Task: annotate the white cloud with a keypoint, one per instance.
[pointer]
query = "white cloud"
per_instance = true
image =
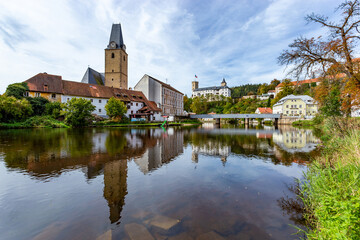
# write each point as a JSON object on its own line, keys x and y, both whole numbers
{"x": 165, "y": 39}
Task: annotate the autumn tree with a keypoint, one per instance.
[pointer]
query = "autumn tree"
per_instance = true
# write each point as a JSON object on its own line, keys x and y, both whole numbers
{"x": 308, "y": 55}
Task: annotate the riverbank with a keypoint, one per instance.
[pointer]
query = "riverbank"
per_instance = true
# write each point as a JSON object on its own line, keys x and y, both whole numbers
{"x": 49, "y": 122}
{"x": 331, "y": 188}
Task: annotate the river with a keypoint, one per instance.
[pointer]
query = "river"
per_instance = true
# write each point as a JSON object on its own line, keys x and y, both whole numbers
{"x": 179, "y": 183}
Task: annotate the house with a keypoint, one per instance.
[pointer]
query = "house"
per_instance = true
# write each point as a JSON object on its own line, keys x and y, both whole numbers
{"x": 212, "y": 92}
{"x": 166, "y": 97}
{"x": 264, "y": 110}
{"x": 299, "y": 106}
{"x": 313, "y": 81}
{"x": 355, "y": 111}
{"x": 54, "y": 88}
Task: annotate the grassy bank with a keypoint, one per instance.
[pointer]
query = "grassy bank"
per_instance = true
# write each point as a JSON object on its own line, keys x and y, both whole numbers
{"x": 35, "y": 122}
{"x": 331, "y": 190}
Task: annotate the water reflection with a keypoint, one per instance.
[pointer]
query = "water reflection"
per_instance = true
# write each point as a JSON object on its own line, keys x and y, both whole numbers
{"x": 202, "y": 198}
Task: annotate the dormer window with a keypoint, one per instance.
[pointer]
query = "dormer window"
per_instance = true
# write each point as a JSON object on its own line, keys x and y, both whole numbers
{"x": 45, "y": 87}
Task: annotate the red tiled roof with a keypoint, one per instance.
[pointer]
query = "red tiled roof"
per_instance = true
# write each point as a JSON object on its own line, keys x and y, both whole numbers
{"x": 44, "y": 82}
{"x": 265, "y": 110}
{"x": 166, "y": 85}
{"x": 271, "y": 91}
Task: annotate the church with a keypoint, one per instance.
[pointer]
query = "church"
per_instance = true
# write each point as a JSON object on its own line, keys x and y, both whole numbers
{"x": 116, "y": 63}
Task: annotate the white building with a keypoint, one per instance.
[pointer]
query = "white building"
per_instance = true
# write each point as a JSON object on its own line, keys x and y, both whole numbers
{"x": 355, "y": 111}
{"x": 212, "y": 92}
{"x": 167, "y": 98}
{"x": 298, "y": 106}
{"x": 46, "y": 85}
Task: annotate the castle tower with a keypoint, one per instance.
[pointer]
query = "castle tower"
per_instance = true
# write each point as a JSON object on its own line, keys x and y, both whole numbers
{"x": 223, "y": 83}
{"x": 116, "y": 60}
{"x": 195, "y": 85}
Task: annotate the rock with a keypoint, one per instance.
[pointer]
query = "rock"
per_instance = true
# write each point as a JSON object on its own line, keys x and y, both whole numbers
{"x": 137, "y": 232}
{"x": 182, "y": 236}
{"x": 106, "y": 236}
{"x": 210, "y": 236}
{"x": 163, "y": 224}
{"x": 141, "y": 215}
{"x": 52, "y": 231}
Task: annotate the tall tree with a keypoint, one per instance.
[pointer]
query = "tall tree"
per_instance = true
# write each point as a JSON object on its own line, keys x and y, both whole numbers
{"x": 17, "y": 90}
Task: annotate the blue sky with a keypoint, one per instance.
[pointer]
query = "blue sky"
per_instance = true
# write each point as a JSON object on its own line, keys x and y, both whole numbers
{"x": 173, "y": 40}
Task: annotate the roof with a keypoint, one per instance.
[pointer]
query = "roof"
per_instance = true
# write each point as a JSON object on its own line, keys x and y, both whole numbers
{"x": 210, "y": 88}
{"x": 296, "y": 83}
{"x": 57, "y": 85}
{"x": 265, "y": 110}
{"x": 93, "y": 77}
{"x": 223, "y": 81}
{"x": 164, "y": 84}
{"x": 116, "y": 36}
{"x": 271, "y": 91}
{"x": 44, "y": 82}
{"x": 307, "y": 99}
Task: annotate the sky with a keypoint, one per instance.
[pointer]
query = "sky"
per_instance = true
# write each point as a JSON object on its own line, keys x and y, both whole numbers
{"x": 168, "y": 40}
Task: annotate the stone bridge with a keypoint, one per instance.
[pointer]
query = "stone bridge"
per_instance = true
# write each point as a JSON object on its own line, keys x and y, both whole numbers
{"x": 247, "y": 117}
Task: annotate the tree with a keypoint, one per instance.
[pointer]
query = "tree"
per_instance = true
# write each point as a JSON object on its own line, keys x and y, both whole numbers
{"x": 199, "y": 105}
{"x": 38, "y": 105}
{"x": 53, "y": 109}
{"x": 314, "y": 53}
{"x": 327, "y": 95}
{"x": 286, "y": 89}
{"x": 12, "y": 109}
{"x": 78, "y": 112}
{"x": 115, "y": 108}
{"x": 187, "y": 103}
{"x": 17, "y": 90}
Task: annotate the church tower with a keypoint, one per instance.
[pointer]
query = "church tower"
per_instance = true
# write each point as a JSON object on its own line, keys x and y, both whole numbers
{"x": 195, "y": 85}
{"x": 116, "y": 60}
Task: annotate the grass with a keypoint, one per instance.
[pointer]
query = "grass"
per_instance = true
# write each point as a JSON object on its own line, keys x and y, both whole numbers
{"x": 331, "y": 189}
{"x": 35, "y": 122}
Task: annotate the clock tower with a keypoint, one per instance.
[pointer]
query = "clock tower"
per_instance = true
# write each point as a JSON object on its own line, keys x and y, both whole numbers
{"x": 116, "y": 60}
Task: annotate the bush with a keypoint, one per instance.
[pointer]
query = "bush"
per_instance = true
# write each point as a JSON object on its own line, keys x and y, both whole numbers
{"x": 78, "y": 112}
{"x": 17, "y": 90}
{"x": 12, "y": 109}
{"x": 35, "y": 122}
{"x": 115, "y": 108}
{"x": 38, "y": 105}
{"x": 53, "y": 109}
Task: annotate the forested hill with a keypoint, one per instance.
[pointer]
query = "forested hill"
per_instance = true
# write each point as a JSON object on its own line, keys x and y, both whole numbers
{"x": 237, "y": 92}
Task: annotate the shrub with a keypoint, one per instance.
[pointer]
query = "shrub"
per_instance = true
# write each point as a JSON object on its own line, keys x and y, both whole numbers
{"x": 115, "y": 108}
{"x": 12, "y": 109}
{"x": 53, "y": 109}
{"x": 38, "y": 105}
{"x": 78, "y": 112}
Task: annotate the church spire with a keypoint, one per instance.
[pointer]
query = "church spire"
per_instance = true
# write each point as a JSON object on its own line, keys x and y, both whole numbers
{"x": 116, "y": 40}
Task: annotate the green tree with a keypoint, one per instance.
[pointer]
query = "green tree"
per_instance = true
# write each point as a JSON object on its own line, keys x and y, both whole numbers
{"x": 53, "y": 109}
{"x": 78, "y": 112}
{"x": 187, "y": 103}
{"x": 12, "y": 109}
{"x": 199, "y": 105}
{"x": 286, "y": 89}
{"x": 38, "y": 105}
{"x": 115, "y": 108}
{"x": 17, "y": 90}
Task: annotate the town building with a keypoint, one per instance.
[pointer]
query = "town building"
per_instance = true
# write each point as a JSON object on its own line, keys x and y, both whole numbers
{"x": 166, "y": 97}
{"x": 299, "y": 106}
{"x": 211, "y": 92}
{"x": 311, "y": 82}
{"x": 355, "y": 111}
{"x": 264, "y": 110}
{"x": 116, "y": 63}
{"x": 53, "y": 88}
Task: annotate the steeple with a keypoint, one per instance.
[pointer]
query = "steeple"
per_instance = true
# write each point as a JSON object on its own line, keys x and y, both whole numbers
{"x": 116, "y": 40}
{"x": 116, "y": 60}
{"x": 223, "y": 83}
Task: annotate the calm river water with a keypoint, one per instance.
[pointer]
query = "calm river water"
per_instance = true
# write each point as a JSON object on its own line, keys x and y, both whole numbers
{"x": 182, "y": 183}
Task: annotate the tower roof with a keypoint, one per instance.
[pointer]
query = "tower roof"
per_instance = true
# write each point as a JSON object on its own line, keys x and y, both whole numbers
{"x": 116, "y": 36}
{"x": 93, "y": 77}
{"x": 223, "y": 81}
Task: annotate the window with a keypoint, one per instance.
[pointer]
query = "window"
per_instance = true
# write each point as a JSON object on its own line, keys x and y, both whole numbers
{"x": 53, "y": 95}
{"x": 287, "y": 106}
{"x": 99, "y": 109}
{"x": 112, "y": 79}
{"x": 112, "y": 70}
{"x": 124, "y": 58}
{"x": 300, "y": 106}
{"x": 68, "y": 99}
{"x": 45, "y": 87}
{"x": 91, "y": 100}
{"x": 26, "y": 94}
{"x": 37, "y": 94}
{"x": 112, "y": 55}
{"x": 132, "y": 112}
{"x": 99, "y": 100}
{"x": 136, "y": 104}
